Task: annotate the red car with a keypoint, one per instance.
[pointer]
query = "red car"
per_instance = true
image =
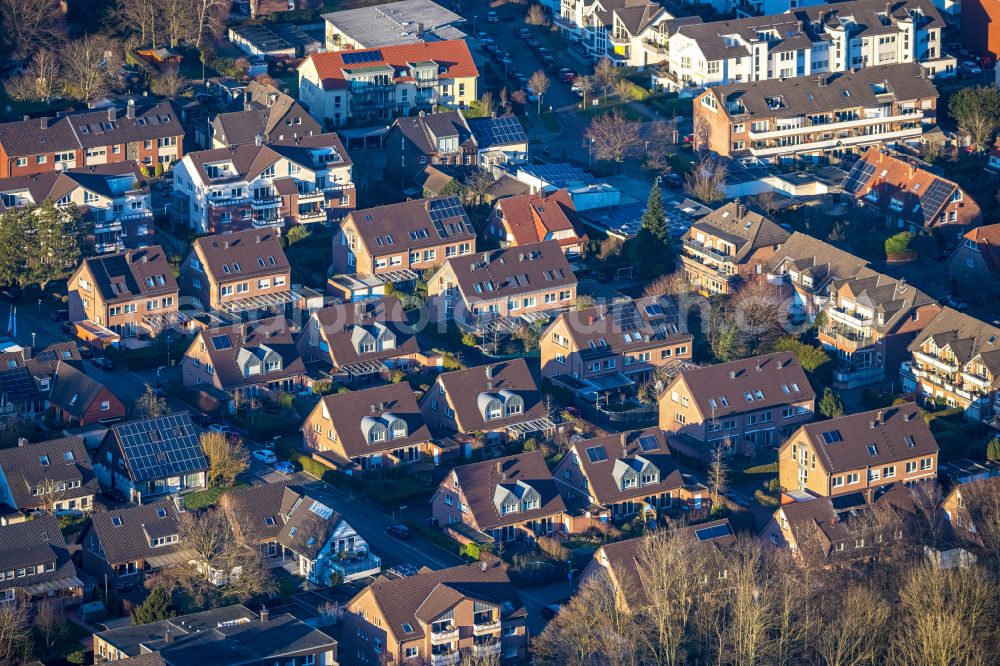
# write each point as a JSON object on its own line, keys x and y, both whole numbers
{"x": 568, "y": 77}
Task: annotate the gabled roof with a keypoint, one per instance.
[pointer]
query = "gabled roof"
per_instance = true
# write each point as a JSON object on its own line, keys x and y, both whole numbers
{"x": 308, "y": 521}
{"x": 808, "y": 256}
{"x": 250, "y": 160}
{"x": 73, "y": 391}
{"x": 869, "y": 439}
{"x": 771, "y": 380}
{"x": 532, "y": 218}
{"x": 355, "y": 413}
{"x": 480, "y": 482}
{"x": 401, "y": 599}
{"x": 500, "y": 131}
{"x": 624, "y": 326}
{"x": 126, "y": 534}
{"x": 513, "y": 271}
{"x": 233, "y": 349}
{"x": 604, "y": 461}
{"x": 34, "y": 543}
{"x": 41, "y": 362}
{"x": 715, "y": 39}
{"x": 132, "y": 274}
{"x": 452, "y": 58}
{"x": 159, "y": 447}
{"x": 891, "y": 299}
{"x": 338, "y": 323}
{"x": 264, "y": 112}
{"x": 987, "y": 240}
{"x": 411, "y": 225}
{"x": 862, "y": 17}
{"x": 746, "y": 230}
{"x": 424, "y": 131}
{"x": 41, "y": 464}
{"x": 242, "y": 254}
{"x": 968, "y": 338}
{"x": 17, "y": 386}
{"x": 101, "y": 179}
{"x": 464, "y": 388}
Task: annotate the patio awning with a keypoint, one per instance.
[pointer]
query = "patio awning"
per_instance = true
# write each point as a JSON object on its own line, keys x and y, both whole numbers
{"x": 520, "y": 430}
{"x": 170, "y": 559}
{"x": 162, "y": 320}
{"x": 404, "y": 275}
{"x": 53, "y": 586}
{"x": 364, "y": 368}
{"x": 532, "y": 317}
{"x": 256, "y": 302}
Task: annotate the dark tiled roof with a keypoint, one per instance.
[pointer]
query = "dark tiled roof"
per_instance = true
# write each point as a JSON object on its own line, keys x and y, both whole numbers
{"x": 73, "y": 391}
{"x": 351, "y": 412}
{"x": 97, "y": 178}
{"x": 34, "y": 543}
{"x": 626, "y": 452}
{"x": 132, "y": 274}
{"x": 247, "y": 345}
{"x": 816, "y": 259}
{"x": 525, "y": 269}
{"x": 464, "y": 388}
{"x": 242, "y": 254}
{"x": 130, "y": 540}
{"x": 890, "y": 431}
{"x": 892, "y": 300}
{"x": 67, "y": 460}
{"x": 480, "y": 481}
{"x": 714, "y": 45}
{"x": 653, "y": 322}
{"x": 967, "y": 337}
{"x": 532, "y": 218}
{"x": 863, "y": 15}
{"x": 746, "y": 230}
{"x": 17, "y": 386}
{"x": 41, "y": 362}
{"x": 339, "y": 321}
{"x": 424, "y": 131}
{"x": 411, "y": 226}
{"x": 987, "y": 239}
{"x": 267, "y": 112}
{"x": 159, "y": 447}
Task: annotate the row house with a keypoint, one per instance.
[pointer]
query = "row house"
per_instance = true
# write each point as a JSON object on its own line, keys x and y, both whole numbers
{"x": 859, "y": 453}
{"x": 123, "y": 546}
{"x": 148, "y": 134}
{"x": 833, "y": 115}
{"x": 499, "y": 401}
{"x": 437, "y": 617}
{"x": 501, "y": 500}
{"x": 233, "y": 636}
{"x": 364, "y": 341}
{"x": 305, "y": 181}
{"x": 393, "y": 242}
{"x": 290, "y": 523}
{"x": 77, "y": 400}
{"x": 908, "y": 196}
{"x": 533, "y": 218}
{"x": 629, "y": 32}
{"x": 728, "y": 246}
{"x": 250, "y": 361}
{"x": 115, "y": 296}
{"x": 113, "y": 199}
{"x": 376, "y": 428}
{"x": 619, "y": 476}
{"x": 808, "y": 267}
{"x": 869, "y": 319}
{"x": 149, "y": 458}
{"x": 805, "y": 41}
{"x": 974, "y": 264}
{"x": 743, "y": 406}
{"x": 54, "y": 476}
{"x": 239, "y": 273}
{"x": 264, "y": 114}
{"x": 379, "y": 84}
{"x": 617, "y": 345}
{"x": 37, "y": 566}
{"x": 527, "y": 282}
{"x": 500, "y": 140}
{"x": 433, "y": 138}
{"x": 955, "y": 362}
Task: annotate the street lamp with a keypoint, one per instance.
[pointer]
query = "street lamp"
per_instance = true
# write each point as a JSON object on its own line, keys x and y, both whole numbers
{"x": 474, "y": 25}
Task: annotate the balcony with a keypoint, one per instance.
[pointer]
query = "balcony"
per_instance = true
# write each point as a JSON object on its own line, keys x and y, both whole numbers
{"x": 834, "y": 126}
{"x": 135, "y": 215}
{"x": 846, "y": 339}
{"x": 358, "y": 566}
{"x": 107, "y": 226}
{"x": 977, "y": 381}
{"x": 262, "y": 223}
{"x": 311, "y": 216}
{"x": 260, "y": 203}
{"x": 225, "y": 202}
{"x": 620, "y": 38}
{"x": 482, "y": 628}
{"x": 445, "y": 659}
{"x": 709, "y": 252}
{"x": 653, "y": 47}
{"x": 444, "y": 636}
{"x": 486, "y": 649}
{"x": 827, "y": 144}
{"x": 946, "y": 365}
{"x": 848, "y": 318}
{"x": 314, "y": 195}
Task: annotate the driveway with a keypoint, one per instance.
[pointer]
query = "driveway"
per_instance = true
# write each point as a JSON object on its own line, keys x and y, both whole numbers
{"x": 534, "y": 598}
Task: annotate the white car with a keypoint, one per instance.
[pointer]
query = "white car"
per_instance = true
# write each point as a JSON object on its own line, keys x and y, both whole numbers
{"x": 491, "y": 17}
{"x": 266, "y": 456}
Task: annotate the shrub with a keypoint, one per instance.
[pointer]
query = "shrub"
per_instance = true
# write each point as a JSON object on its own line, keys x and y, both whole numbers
{"x": 901, "y": 243}
{"x": 809, "y": 357}
{"x": 396, "y": 376}
{"x": 553, "y": 548}
{"x": 774, "y": 485}
{"x": 468, "y": 339}
{"x": 764, "y": 499}
{"x": 297, "y": 233}
{"x": 78, "y": 657}
{"x": 324, "y": 387}
{"x": 158, "y": 170}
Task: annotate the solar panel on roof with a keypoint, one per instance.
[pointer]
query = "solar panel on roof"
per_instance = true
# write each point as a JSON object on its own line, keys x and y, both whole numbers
{"x": 498, "y": 131}
{"x": 18, "y": 385}
{"x": 654, "y": 310}
{"x": 221, "y": 342}
{"x": 597, "y": 454}
{"x": 157, "y": 448}
{"x": 935, "y": 196}
{"x": 832, "y": 437}
{"x": 624, "y": 316}
{"x": 359, "y": 57}
{"x": 858, "y": 176}
{"x": 648, "y": 443}
{"x": 714, "y": 532}
{"x": 449, "y": 208}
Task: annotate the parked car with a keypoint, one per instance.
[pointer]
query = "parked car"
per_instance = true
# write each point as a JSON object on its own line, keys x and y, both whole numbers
{"x": 284, "y": 467}
{"x": 401, "y": 532}
{"x": 971, "y": 68}
{"x": 103, "y": 363}
{"x": 59, "y": 315}
{"x": 482, "y": 36}
{"x": 547, "y": 60}
{"x": 86, "y": 352}
{"x": 11, "y": 294}
{"x": 673, "y": 180}
{"x": 266, "y": 456}
{"x": 67, "y": 327}
{"x": 491, "y": 17}
{"x": 220, "y": 427}
{"x": 568, "y": 77}
{"x": 524, "y": 33}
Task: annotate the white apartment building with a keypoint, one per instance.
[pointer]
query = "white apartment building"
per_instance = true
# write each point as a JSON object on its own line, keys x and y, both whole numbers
{"x": 630, "y": 32}
{"x": 307, "y": 181}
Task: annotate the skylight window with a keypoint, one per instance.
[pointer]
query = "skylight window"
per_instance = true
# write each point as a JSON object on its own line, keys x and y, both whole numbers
{"x": 832, "y": 437}
{"x": 269, "y": 521}
{"x": 161, "y": 512}
{"x": 116, "y": 521}
{"x": 872, "y": 450}
{"x": 68, "y": 456}
{"x": 44, "y": 460}
{"x": 910, "y": 442}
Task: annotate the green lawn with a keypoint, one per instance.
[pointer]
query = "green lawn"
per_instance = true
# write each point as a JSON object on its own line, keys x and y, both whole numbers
{"x": 551, "y": 122}
{"x": 202, "y": 499}
{"x": 624, "y": 109}
{"x": 68, "y": 641}
{"x": 669, "y": 104}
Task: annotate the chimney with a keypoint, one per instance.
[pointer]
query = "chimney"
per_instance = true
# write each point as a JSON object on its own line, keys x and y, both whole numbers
{"x": 371, "y": 409}
{"x": 732, "y": 374}
{"x": 168, "y": 636}
{"x": 257, "y": 238}
{"x": 879, "y": 416}
{"x": 482, "y": 566}
{"x": 740, "y": 210}
{"x": 265, "y": 615}
{"x": 243, "y": 332}
{"x": 112, "y": 114}
{"x": 489, "y": 372}
{"x": 486, "y": 258}
{"x": 179, "y": 503}
{"x": 44, "y": 122}
{"x": 258, "y": 140}
{"x": 130, "y": 109}
{"x": 872, "y": 424}
{"x": 22, "y": 441}
{"x": 907, "y": 416}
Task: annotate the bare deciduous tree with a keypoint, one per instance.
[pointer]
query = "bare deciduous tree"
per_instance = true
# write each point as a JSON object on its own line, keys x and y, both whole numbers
{"x": 15, "y": 639}
{"x": 718, "y": 470}
{"x": 150, "y": 406}
{"x": 39, "y": 82}
{"x": 706, "y": 179}
{"x": 227, "y": 457}
{"x": 31, "y": 24}
{"x": 853, "y": 629}
{"x": 89, "y": 65}
{"x": 143, "y": 16}
{"x": 660, "y": 140}
{"x": 50, "y": 621}
{"x": 614, "y": 136}
{"x": 539, "y": 83}
{"x": 536, "y": 15}
{"x": 585, "y": 84}
{"x": 606, "y": 75}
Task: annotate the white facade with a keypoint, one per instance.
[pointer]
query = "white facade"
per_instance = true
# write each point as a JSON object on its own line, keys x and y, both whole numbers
{"x": 602, "y": 31}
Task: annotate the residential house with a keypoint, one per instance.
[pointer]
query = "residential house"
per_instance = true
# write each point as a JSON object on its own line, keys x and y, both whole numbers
{"x": 367, "y": 86}
{"x": 292, "y": 522}
{"x": 809, "y": 267}
{"x": 816, "y": 119}
{"x": 500, "y": 140}
{"x": 228, "y": 636}
{"x": 728, "y": 246}
{"x": 442, "y": 138}
{"x": 148, "y": 134}
{"x": 623, "y": 561}
{"x": 391, "y": 24}
{"x": 116, "y": 295}
{"x": 21, "y": 395}
{"x": 308, "y": 180}
{"x": 979, "y": 28}
{"x": 870, "y": 318}
{"x": 840, "y": 528}
{"x": 974, "y": 264}
{"x": 507, "y": 499}
{"x": 152, "y": 457}
{"x": 743, "y": 405}
{"x": 37, "y": 565}
{"x": 249, "y": 360}
{"x": 265, "y": 114}
{"x": 53, "y": 476}
{"x": 77, "y": 400}
{"x": 434, "y": 616}
{"x": 629, "y": 32}
{"x": 859, "y": 452}
{"x": 908, "y": 196}
{"x": 372, "y": 429}
{"x": 113, "y": 199}
{"x": 122, "y": 546}
{"x": 527, "y": 282}
{"x": 956, "y": 362}
{"x": 27, "y": 376}
{"x": 500, "y": 400}
{"x": 621, "y": 475}
{"x": 967, "y": 506}
{"x": 238, "y": 273}
{"x": 533, "y": 218}
{"x": 605, "y": 349}
{"x": 363, "y": 341}
{"x": 393, "y": 242}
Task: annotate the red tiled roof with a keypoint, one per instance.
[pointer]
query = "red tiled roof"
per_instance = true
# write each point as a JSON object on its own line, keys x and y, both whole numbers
{"x": 987, "y": 239}
{"x": 453, "y": 55}
{"x": 532, "y": 217}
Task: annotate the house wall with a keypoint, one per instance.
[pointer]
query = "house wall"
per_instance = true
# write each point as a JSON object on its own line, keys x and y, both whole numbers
{"x": 981, "y": 27}
{"x": 94, "y": 413}
{"x": 575, "y": 366}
